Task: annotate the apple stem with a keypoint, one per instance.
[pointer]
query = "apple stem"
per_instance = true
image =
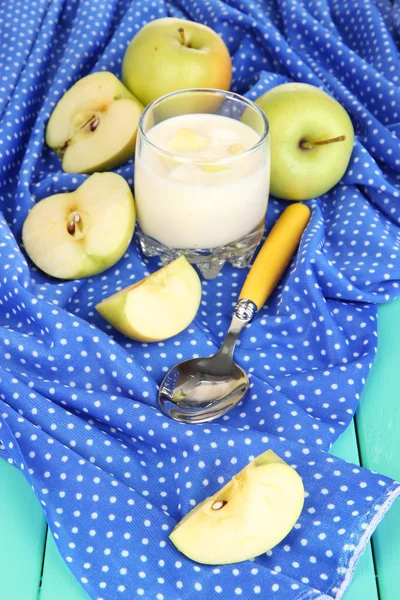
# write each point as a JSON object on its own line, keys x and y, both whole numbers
{"x": 306, "y": 145}
{"x": 183, "y": 37}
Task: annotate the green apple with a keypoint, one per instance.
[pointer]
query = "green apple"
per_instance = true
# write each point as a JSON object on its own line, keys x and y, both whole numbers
{"x": 94, "y": 125}
{"x": 157, "y": 307}
{"x": 250, "y": 515}
{"x": 81, "y": 233}
{"x": 311, "y": 140}
{"x": 170, "y": 54}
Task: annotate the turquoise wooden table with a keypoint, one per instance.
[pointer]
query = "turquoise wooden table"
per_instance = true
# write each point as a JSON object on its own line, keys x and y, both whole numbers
{"x": 32, "y": 569}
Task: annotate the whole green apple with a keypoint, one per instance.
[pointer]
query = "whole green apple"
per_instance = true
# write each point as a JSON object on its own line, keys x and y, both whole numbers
{"x": 311, "y": 140}
{"x": 170, "y": 54}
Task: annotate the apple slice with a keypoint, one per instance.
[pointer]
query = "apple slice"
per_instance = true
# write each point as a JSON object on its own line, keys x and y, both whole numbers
{"x": 184, "y": 140}
{"x": 94, "y": 125}
{"x": 157, "y": 307}
{"x": 81, "y": 233}
{"x": 214, "y": 167}
{"x": 187, "y": 139}
{"x": 236, "y": 148}
{"x": 250, "y": 515}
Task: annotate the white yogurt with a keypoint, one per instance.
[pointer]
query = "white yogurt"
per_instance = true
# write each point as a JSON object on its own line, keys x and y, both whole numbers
{"x": 187, "y": 201}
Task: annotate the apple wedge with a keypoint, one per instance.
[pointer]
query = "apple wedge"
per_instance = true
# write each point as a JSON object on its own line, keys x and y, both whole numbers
{"x": 81, "y": 233}
{"x": 157, "y": 307}
{"x": 187, "y": 139}
{"x": 250, "y": 515}
{"x": 94, "y": 125}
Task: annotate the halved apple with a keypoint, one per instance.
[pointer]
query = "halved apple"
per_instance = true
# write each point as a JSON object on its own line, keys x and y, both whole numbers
{"x": 94, "y": 125}
{"x": 81, "y": 233}
{"x": 250, "y": 515}
{"x": 157, "y": 307}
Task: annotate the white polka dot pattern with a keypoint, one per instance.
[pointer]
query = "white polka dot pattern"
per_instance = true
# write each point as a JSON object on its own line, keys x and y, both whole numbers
{"x": 78, "y": 401}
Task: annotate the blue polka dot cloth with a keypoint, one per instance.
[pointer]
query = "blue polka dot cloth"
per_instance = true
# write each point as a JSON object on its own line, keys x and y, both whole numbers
{"x": 78, "y": 411}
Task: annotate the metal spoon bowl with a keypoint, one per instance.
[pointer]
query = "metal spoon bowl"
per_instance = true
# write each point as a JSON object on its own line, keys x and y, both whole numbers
{"x": 202, "y": 389}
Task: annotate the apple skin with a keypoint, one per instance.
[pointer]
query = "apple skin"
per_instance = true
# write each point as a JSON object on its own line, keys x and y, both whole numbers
{"x": 159, "y": 306}
{"x": 260, "y": 506}
{"x": 157, "y": 61}
{"x": 297, "y": 112}
{"x": 107, "y": 209}
{"x": 84, "y": 149}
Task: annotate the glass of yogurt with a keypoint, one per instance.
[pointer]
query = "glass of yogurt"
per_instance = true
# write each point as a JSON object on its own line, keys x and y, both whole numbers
{"x": 202, "y": 170}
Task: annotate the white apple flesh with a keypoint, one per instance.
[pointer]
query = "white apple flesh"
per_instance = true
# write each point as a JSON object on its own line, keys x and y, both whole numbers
{"x": 170, "y": 54}
{"x": 157, "y": 307}
{"x": 250, "y": 515}
{"x": 81, "y": 233}
{"x": 311, "y": 140}
{"x": 94, "y": 125}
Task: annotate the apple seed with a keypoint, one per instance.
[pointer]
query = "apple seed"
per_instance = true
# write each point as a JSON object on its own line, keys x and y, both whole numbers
{"x": 94, "y": 124}
{"x": 63, "y": 148}
{"x": 71, "y": 227}
{"x": 219, "y": 504}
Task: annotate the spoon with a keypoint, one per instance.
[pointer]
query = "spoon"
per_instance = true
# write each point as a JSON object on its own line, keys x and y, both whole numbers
{"x": 202, "y": 389}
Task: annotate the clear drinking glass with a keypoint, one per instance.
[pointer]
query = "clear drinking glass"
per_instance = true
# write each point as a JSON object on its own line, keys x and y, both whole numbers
{"x": 202, "y": 171}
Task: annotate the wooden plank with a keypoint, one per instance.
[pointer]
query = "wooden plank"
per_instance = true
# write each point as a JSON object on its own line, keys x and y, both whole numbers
{"x": 363, "y": 585}
{"x": 23, "y": 530}
{"x": 58, "y": 583}
{"x": 378, "y": 430}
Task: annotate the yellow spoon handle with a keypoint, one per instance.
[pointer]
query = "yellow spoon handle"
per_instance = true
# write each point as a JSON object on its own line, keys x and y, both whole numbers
{"x": 275, "y": 254}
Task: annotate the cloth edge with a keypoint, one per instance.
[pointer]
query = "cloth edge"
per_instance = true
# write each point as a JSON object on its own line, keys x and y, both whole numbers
{"x": 392, "y": 495}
